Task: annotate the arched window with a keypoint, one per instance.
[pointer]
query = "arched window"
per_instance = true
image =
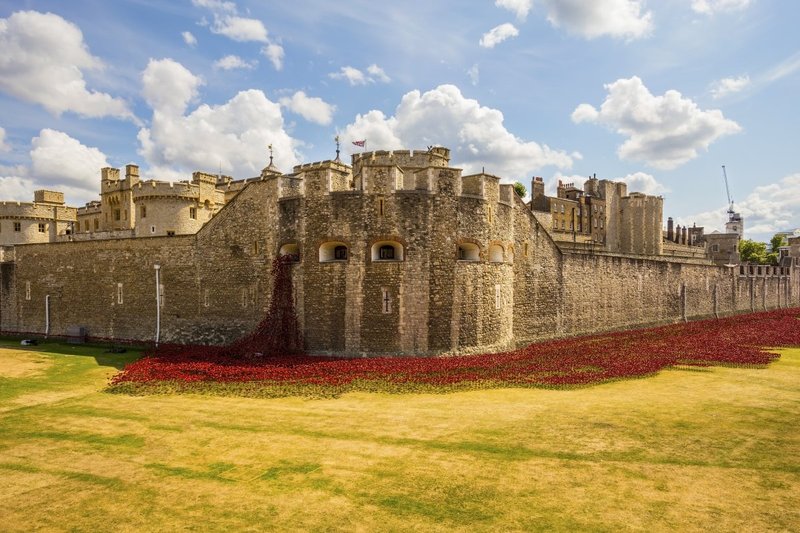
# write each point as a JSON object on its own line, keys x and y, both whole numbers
{"x": 387, "y": 251}
{"x": 292, "y": 250}
{"x": 468, "y": 251}
{"x": 333, "y": 251}
{"x": 495, "y": 253}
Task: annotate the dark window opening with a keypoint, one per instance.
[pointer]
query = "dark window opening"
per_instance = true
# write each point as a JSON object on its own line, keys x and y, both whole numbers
{"x": 340, "y": 253}
{"x": 386, "y": 252}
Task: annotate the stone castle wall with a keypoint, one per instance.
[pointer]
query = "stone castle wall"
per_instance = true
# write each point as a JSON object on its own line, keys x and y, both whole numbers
{"x": 428, "y": 299}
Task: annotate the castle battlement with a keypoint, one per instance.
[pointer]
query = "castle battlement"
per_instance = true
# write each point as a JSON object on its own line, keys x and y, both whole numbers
{"x": 434, "y": 156}
{"x": 183, "y": 190}
{"x": 91, "y": 208}
{"x": 35, "y": 210}
{"x": 320, "y": 165}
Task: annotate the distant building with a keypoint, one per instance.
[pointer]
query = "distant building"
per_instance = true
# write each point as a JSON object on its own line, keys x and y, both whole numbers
{"x": 42, "y": 220}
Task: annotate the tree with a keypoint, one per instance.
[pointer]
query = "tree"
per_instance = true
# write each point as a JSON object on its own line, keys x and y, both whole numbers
{"x": 776, "y": 242}
{"x": 753, "y": 252}
{"x": 520, "y": 190}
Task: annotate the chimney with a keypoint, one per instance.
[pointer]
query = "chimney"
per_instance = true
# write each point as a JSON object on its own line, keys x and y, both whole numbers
{"x": 670, "y": 230}
{"x": 684, "y": 235}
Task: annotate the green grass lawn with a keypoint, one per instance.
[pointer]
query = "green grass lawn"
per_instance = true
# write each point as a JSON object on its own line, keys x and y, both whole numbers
{"x": 712, "y": 449}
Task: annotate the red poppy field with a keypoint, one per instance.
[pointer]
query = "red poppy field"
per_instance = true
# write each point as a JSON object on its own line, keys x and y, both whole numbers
{"x": 741, "y": 340}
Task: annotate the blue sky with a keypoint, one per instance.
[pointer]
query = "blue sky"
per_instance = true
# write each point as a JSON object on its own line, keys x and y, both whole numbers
{"x": 660, "y": 94}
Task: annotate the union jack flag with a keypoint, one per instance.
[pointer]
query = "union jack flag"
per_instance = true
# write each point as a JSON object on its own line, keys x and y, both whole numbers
{"x": 362, "y": 144}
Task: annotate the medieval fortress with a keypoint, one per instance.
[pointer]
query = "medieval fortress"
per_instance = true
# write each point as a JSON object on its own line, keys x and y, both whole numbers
{"x": 397, "y": 253}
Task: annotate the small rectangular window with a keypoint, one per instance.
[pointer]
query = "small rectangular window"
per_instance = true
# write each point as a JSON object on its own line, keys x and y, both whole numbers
{"x": 152, "y": 229}
{"x": 27, "y": 290}
{"x": 117, "y": 214}
{"x": 17, "y": 226}
{"x": 96, "y": 224}
{"x": 119, "y": 293}
{"x": 193, "y": 212}
{"x": 380, "y": 206}
{"x": 386, "y": 301}
{"x": 386, "y": 252}
{"x": 255, "y": 247}
{"x": 42, "y": 228}
{"x": 143, "y": 211}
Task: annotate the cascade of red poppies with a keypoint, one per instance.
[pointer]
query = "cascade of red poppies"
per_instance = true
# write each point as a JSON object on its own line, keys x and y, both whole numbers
{"x": 279, "y": 332}
{"x": 735, "y": 340}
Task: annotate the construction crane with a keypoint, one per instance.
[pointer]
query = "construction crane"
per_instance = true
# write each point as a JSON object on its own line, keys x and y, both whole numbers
{"x": 731, "y": 213}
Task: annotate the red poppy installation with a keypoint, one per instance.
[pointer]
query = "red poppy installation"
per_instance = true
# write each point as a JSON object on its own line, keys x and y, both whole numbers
{"x": 272, "y": 356}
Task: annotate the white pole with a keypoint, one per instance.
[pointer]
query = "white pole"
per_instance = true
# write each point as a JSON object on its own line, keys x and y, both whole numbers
{"x": 158, "y": 302}
{"x": 47, "y": 315}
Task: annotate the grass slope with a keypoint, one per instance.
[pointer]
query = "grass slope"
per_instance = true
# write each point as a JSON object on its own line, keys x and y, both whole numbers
{"x": 714, "y": 449}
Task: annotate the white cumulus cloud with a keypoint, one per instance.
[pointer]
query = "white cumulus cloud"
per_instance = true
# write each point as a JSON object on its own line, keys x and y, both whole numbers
{"x": 168, "y": 86}
{"x": 274, "y": 52}
{"x": 43, "y": 60}
{"x": 663, "y": 131}
{"x": 376, "y": 73}
{"x": 709, "y": 7}
{"x": 58, "y": 160}
{"x": 229, "y": 23}
{"x": 3, "y": 146}
{"x": 475, "y": 133}
{"x": 614, "y": 18}
{"x": 643, "y": 182}
{"x": 766, "y": 210}
{"x": 311, "y": 108}
{"x": 354, "y": 76}
{"x": 232, "y": 62}
{"x": 208, "y": 137}
{"x": 498, "y": 34}
{"x": 16, "y": 189}
{"x": 240, "y": 28}
{"x": 188, "y": 38}
{"x": 520, "y": 8}
{"x": 728, "y": 86}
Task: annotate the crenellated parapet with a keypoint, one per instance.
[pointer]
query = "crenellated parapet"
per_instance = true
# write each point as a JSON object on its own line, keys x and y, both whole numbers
{"x": 435, "y": 156}
{"x": 164, "y": 189}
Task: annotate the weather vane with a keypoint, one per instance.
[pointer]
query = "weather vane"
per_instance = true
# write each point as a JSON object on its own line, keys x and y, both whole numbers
{"x": 337, "y": 148}
{"x": 270, "y": 154}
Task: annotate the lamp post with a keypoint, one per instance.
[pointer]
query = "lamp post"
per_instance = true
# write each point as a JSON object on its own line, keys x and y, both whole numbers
{"x": 158, "y": 302}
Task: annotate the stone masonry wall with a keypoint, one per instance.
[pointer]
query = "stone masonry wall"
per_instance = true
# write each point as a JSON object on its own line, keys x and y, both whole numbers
{"x": 427, "y": 300}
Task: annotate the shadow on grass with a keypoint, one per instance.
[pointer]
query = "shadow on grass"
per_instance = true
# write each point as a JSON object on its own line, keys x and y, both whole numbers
{"x": 102, "y": 353}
